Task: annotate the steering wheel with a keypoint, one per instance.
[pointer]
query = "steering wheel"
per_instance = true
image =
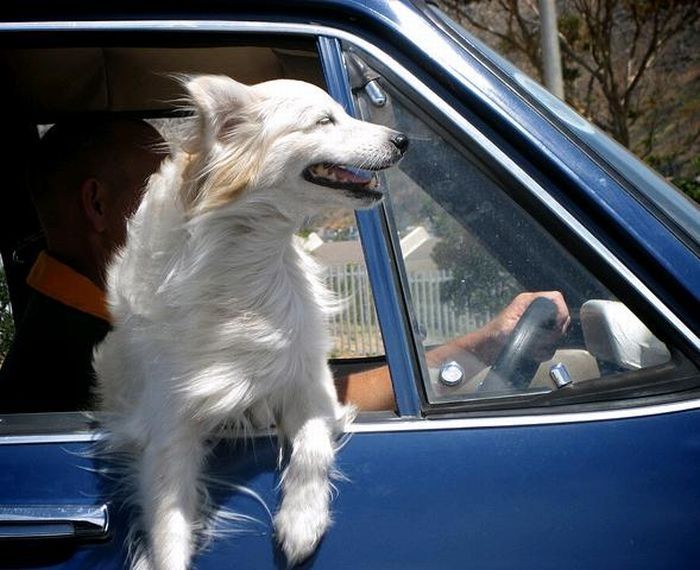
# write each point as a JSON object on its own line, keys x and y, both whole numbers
{"x": 515, "y": 368}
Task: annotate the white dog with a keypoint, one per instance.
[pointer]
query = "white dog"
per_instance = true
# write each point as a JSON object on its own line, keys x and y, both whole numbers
{"x": 219, "y": 317}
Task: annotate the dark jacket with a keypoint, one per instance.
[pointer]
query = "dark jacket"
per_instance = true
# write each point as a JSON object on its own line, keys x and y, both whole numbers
{"x": 49, "y": 367}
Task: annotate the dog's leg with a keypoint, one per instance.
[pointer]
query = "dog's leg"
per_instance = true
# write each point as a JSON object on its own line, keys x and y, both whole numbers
{"x": 169, "y": 496}
{"x": 308, "y": 422}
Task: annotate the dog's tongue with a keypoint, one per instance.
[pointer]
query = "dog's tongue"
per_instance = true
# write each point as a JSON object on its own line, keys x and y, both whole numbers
{"x": 352, "y": 176}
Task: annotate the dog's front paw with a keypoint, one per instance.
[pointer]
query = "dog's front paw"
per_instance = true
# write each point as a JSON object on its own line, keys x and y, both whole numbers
{"x": 300, "y": 527}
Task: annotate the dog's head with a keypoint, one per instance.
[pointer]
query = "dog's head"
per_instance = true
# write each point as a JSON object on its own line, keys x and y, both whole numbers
{"x": 285, "y": 139}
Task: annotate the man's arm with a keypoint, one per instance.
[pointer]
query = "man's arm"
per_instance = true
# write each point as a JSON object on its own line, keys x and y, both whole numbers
{"x": 371, "y": 390}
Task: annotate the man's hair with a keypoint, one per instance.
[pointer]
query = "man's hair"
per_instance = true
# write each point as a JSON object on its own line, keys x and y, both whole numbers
{"x": 73, "y": 151}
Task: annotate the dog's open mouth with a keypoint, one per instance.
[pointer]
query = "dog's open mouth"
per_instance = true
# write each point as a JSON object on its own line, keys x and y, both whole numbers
{"x": 342, "y": 177}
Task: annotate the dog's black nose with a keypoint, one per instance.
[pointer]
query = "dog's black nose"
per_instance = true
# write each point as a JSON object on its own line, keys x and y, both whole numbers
{"x": 400, "y": 141}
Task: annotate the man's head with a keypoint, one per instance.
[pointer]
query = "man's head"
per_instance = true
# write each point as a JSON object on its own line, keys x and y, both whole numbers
{"x": 89, "y": 178}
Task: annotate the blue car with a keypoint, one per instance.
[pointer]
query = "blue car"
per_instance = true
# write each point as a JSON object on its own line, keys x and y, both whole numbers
{"x": 589, "y": 459}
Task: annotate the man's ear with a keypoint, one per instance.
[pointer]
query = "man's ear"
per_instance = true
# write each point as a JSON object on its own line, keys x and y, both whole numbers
{"x": 93, "y": 200}
{"x": 218, "y": 101}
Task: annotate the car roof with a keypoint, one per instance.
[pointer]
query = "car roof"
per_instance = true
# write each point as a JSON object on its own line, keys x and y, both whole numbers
{"x": 318, "y": 10}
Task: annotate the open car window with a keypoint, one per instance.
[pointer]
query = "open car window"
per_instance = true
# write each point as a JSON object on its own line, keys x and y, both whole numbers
{"x": 469, "y": 248}
{"x": 52, "y": 84}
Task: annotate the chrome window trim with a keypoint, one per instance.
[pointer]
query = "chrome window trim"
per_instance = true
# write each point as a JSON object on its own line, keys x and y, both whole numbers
{"x": 468, "y": 130}
{"x": 410, "y": 424}
{"x": 385, "y": 422}
{"x": 53, "y": 438}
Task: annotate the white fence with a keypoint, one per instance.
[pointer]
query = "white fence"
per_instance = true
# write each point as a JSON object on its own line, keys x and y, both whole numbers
{"x": 438, "y": 321}
{"x": 355, "y": 328}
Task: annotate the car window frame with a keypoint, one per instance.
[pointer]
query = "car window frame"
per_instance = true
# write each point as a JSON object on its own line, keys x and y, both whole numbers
{"x": 571, "y": 234}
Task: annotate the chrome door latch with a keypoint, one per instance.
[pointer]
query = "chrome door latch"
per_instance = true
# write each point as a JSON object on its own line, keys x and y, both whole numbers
{"x": 53, "y": 521}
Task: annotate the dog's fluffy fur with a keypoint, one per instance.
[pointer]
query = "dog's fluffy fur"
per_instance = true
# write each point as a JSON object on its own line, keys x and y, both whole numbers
{"x": 219, "y": 317}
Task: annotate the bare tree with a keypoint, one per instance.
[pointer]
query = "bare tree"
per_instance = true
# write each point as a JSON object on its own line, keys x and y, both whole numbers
{"x": 608, "y": 47}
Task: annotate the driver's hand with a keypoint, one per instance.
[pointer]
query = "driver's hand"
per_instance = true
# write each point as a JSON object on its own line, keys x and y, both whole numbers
{"x": 499, "y": 329}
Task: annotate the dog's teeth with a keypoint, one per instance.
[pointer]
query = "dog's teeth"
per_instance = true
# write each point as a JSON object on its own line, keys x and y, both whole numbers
{"x": 332, "y": 174}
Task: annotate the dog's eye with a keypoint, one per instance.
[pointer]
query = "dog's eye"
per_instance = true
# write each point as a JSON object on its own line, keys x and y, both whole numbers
{"x": 327, "y": 120}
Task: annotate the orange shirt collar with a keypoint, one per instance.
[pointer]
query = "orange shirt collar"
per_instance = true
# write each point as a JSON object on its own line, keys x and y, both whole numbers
{"x": 65, "y": 285}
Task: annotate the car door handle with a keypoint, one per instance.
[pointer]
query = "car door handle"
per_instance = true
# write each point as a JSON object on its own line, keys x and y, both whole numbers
{"x": 53, "y": 521}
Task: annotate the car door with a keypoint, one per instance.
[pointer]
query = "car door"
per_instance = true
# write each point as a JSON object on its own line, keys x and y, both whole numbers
{"x": 561, "y": 458}
{"x": 597, "y": 472}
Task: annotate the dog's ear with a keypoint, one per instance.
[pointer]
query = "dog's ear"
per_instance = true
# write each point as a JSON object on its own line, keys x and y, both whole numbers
{"x": 218, "y": 100}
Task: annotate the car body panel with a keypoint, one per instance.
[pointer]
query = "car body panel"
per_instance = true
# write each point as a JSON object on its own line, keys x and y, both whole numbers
{"x": 602, "y": 494}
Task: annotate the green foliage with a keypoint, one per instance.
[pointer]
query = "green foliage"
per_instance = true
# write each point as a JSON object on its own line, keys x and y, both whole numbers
{"x": 674, "y": 169}
{"x": 478, "y": 283}
{"x": 689, "y": 186}
{"x": 7, "y": 326}
{"x": 571, "y": 27}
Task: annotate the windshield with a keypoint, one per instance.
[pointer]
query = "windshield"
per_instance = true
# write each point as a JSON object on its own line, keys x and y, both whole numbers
{"x": 679, "y": 211}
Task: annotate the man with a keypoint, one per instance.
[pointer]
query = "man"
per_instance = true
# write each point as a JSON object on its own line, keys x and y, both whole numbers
{"x": 89, "y": 179}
